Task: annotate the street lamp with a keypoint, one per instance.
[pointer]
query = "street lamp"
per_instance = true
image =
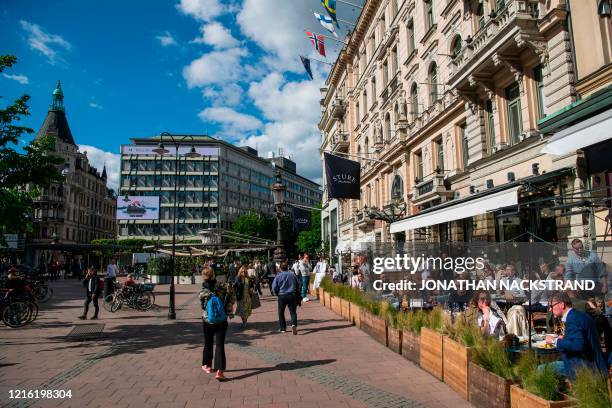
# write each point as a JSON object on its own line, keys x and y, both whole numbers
{"x": 161, "y": 150}
{"x": 278, "y": 194}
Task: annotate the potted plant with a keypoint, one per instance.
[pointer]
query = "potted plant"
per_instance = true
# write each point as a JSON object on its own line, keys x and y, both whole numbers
{"x": 457, "y": 346}
{"x": 490, "y": 375}
{"x": 540, "y": 388}
{"x": 591, "y": 389}
{"x": 431, "y": 344}
{"x": 411, "y": 324}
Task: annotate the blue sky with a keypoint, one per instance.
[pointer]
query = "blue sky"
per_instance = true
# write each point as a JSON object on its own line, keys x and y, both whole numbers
{"x": 136, "y": 68}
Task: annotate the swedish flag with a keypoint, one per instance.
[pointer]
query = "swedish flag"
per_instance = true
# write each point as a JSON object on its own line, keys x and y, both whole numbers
{"x": 330, "y": 6}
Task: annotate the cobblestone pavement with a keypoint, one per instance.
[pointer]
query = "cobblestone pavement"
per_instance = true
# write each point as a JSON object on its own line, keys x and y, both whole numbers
{"x": 144, "y": 360}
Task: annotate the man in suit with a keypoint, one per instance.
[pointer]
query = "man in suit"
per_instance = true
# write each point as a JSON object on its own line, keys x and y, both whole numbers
{"x": 579, "y": 341}
{"x": 92, "y": 288}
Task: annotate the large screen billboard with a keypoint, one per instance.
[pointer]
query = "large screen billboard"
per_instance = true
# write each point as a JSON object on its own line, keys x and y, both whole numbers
{"x": 138, "y": 208}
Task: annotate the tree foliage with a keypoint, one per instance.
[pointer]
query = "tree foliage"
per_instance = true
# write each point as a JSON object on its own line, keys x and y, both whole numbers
{"x": 36, "y": 166}
{"x": 256, "y": 225}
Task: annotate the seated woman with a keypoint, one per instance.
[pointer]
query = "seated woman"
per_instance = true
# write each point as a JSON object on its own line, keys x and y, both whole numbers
{"x": 490, "y": 323}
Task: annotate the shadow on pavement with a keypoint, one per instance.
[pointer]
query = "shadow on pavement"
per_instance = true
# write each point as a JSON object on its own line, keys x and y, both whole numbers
{"x": 296, "y": 365}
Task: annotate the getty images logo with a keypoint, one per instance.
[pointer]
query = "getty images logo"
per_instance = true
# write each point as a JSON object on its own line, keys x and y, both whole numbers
{"x": 344, "y": 178}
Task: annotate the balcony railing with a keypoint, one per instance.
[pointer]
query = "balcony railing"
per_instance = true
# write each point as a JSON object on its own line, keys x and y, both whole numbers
{"x": 338, "y": 108}
{"x": 340, "y": 141}
{"x": 431, "y": 188}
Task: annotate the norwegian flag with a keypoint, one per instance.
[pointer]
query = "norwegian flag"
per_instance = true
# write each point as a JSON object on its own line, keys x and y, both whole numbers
{"x": 317, "y": 41}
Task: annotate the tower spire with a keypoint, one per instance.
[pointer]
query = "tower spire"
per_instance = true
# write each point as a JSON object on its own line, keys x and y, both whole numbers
{"x": 58, "y": 98}
{"x": 104, "y": 172}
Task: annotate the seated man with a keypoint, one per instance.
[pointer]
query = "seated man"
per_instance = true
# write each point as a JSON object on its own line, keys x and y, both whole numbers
{"x": 579, "y": 341}
{"x": 16, "y": 286}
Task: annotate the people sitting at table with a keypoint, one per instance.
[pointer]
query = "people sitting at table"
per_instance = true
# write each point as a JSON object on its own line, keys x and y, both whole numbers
{"x": 541, "y": 296}
{"x": 578, "y": 342}
{"x": 510, "y": 277}
{"x": 489, "y": 321}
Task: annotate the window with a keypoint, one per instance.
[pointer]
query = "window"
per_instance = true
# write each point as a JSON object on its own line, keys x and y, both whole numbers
{"x": 357, "y": 116}
{"x": 414, "y": 100}
{"x": 456, "y": 47}
{"x": 433, "y": 83}
{"x": 500, "y": 4}
{"x": 480, "y": 15}
{"x": 418, "y": 158}
{"x": 395, "y": 61}
{"x": 464, "y": 144}
{"x": 440, "y": 153}
{"x": 373, "y": 89}
{"x": 490, "y": 123}
{"x": 385, "y": 69}
{"x": 538, "y": 76}
{"x": 429, "y": 14}
{"x": 411, "y": 43}
{"x": 388, "y": 127}
{"x": 515, "y": 120}
{"x": 365, "y": 100}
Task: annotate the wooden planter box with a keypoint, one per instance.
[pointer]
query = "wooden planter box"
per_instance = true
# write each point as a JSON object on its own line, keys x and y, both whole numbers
{"x": 394, "y": 339}
{"x": 411, "y": 346}
{"x": 346, "y": 309}
{"x": 374, "y": 326}
{"x": 488, "y": 390}
{"x": 328, "y": 298}
{"x": 322, "y": 296}
{"x": 431, "y": 353}
{"x": 520, "y": 398}
{"x": 456, "y": 360}
{"x": 312, "y": 291}
{"x": 336, "y": 305}
{"x": 355, "y": 313}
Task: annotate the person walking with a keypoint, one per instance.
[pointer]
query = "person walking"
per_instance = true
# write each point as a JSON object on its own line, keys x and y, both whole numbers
{"x": 91, "y": 283}
{"x": 305, "y": 269}
{"x": 232, "y": 271}
{"x": 111, "y": 277}
{"x": 286, "y": 286}
{"x": 244, "y": 294}
{"x": 217, "y": 300}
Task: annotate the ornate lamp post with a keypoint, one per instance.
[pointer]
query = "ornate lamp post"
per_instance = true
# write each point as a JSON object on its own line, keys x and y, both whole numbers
{"x": 161, "y": 150}
{"x": 278, "y": 194}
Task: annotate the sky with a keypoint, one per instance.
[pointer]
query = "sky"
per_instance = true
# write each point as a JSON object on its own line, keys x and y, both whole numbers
{"x": 227, "y": 68}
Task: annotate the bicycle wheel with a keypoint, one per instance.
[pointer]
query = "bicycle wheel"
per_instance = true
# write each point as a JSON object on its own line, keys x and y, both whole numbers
{"x": 48, "y": 294}
{"x": 144, "y": 301}
{"x": 117, "y": 302}
{"x": 12, "y": 315}
{"x": 108, "y": 302}
{"x": 33, "y": 306}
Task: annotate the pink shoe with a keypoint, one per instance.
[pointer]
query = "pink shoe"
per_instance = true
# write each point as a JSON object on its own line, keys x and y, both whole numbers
{"x": 220, "y": 376}
{"x": 206, "y": 369}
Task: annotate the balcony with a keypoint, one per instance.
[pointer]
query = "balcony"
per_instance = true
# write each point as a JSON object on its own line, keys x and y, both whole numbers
{"x": 430, "y": 189}
{"x": 363, "y": 221}
{"x": 49, "y": 199}
{"x": 338, "y": 108}
{"x": 340, "y": 142}
{"x": 504, "y": 34}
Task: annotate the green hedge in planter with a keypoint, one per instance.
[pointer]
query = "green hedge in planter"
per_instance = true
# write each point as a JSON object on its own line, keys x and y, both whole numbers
{"x": 162, "y": 266}
{"x": 545, "y": 383}
{"x": 591, "y": 389}
{"x": 491, "y": 355}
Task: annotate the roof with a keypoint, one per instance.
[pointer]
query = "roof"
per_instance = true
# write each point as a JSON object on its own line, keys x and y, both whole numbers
{"x": 56, "y": 123}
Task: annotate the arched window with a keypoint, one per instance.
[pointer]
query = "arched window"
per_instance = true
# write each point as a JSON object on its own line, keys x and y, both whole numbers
{"x": 397, "y": 188}
{"x": 456, "y": 46}
{"x": 429, "y": 14}
{"x": 433, "y": 83}
{"x": 388, "y": 127}
{"x": 396, "y": 114}
{"x": 414, "y": 100}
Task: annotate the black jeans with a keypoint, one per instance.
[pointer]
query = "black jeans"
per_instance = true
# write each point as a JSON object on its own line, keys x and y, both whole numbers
{"x": 214, "y": 334}
{"x": 284, "y": 301}
{"x": 89, "y": 299}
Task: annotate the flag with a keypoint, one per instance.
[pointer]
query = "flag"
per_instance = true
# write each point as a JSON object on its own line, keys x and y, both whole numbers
{"x": 317, "y": 41}
{"x": 327, "y": 23}
{"x": 301, "y": 219}
{"x": 306, "y": 63}
{"x": 330, "y": 6}
{"x": 342, "y": 177}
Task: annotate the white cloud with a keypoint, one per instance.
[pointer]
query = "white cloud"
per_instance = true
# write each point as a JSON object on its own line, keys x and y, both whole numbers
{"x": 98, "y": 158}
{"x": 227, "y": 95}
{"x": 231, "y": 120}
{"x": 95, "y": 105}
{"x": 216, "y": 67}
{"x": 43, "y": 42}
{"x": 216, "y": 35}
{"x": 22, "y": 79}
{"x": 204, "y": 10}
{"x": 166, "y": 39}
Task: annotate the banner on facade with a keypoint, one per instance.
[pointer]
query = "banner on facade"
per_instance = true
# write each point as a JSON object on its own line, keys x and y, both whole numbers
{"x": 148, "y": 150}
{"x": 342, "y": 177}
{"x": 301, "y": 219}
{"x": 138, "y": 208}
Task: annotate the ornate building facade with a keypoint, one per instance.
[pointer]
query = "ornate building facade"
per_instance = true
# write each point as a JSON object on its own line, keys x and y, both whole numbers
{"x": 83, "y": 207}
{"x": 446, "y": 104}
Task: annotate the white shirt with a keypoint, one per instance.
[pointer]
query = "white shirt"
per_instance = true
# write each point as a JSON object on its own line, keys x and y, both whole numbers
{"x": 111, "y": 271}
{"x": 304, "y": 268}
{"x": 493, "y": 320}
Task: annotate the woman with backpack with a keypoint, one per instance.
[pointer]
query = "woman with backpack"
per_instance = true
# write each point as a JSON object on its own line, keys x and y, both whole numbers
{"x": 217, "y": 300}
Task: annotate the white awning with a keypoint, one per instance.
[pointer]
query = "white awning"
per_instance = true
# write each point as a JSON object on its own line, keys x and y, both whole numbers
{"x": 481, "y": 205}
{"x": 586, "y": 133}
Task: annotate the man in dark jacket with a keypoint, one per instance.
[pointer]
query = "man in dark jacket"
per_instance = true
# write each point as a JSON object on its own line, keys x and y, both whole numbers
{"x": 92, "y": 288}
{"x": 579, "y": 344}
{"x": 287, "y": 287}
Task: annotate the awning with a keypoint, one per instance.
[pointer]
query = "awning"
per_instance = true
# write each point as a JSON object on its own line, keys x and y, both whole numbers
{"x": 470, "y": 208}
{"x": 586, "y": 133}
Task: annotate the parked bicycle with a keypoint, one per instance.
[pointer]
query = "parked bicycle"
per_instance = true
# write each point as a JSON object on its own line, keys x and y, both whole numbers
{"x": 138, "y": 297}
{"x": 18, "y": 311}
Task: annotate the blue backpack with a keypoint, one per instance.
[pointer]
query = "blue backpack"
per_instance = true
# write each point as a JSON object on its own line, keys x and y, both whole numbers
{"x": 215, "y": 310}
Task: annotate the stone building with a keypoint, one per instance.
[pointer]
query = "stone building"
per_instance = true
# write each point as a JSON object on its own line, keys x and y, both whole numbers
{"x": 77, "y": 211}
{"x": 444, "y": 104}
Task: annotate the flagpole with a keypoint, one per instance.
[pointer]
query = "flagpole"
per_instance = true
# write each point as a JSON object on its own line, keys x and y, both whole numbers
{"x": 350, "y": 4}
{"x": 346, "y": 22}
{"x": 318, "y": 60}
{"x": 354, "y": 155}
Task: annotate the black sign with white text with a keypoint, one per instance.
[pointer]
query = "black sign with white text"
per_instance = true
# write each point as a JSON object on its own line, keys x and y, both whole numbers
{"x": 342, "y": 176}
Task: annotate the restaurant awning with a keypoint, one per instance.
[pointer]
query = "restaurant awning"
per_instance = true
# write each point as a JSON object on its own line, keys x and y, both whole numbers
{"x": 583, "y": 134}
{"x": 480, "y": 205}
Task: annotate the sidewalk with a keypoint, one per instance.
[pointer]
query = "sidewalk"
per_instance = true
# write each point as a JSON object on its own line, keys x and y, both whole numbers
{"x": 148, "y": 361}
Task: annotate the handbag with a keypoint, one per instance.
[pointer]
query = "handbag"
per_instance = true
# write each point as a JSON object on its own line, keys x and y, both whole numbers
{"x": 255, "y": 302}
